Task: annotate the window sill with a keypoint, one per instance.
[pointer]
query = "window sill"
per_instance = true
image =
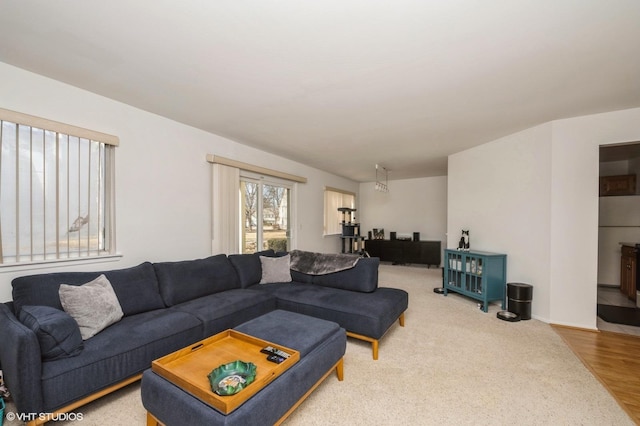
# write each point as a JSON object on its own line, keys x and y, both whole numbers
{"x": 43, "y": 264}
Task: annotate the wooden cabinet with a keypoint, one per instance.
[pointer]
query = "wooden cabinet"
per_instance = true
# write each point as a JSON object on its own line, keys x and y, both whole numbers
{"x": 405, "y": 251}
{"x": 476, "y": 274}
{"x": 617, "y": 185}
{"x": 629, "y": 271}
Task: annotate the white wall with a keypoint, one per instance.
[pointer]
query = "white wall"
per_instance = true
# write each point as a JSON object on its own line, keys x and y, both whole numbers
{"x": 163, "y": 181}
{"x": 534, "y": 196}
{"x": 500, "y": 192}
{"x": 574, "y": 213}
{"x": 411, "y": 205}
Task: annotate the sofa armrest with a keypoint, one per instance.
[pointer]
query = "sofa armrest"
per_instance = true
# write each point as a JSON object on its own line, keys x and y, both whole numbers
{"x": 363, "y": 277}
{"x": 21, "y": 362}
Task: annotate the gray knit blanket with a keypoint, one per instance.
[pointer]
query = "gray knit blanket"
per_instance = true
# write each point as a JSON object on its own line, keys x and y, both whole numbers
{"x": 321, "y": 263}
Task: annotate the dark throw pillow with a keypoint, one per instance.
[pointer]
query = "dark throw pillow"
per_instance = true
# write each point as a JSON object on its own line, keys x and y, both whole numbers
{"x": 248, "y": 266}
{"x": 58, "y": 333}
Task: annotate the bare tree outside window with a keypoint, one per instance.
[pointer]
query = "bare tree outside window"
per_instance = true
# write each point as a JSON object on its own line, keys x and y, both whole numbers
{"x": 273, "y": 196}
{"x": 265, "y": 223}
{"x": 250, "y": 191}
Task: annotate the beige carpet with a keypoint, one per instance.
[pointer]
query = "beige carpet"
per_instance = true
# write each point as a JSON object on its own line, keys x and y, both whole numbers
{"x": 451, "y": 364}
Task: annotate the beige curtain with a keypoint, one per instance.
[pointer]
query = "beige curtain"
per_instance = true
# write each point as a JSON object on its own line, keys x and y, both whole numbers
{"x": 225, "y": 227}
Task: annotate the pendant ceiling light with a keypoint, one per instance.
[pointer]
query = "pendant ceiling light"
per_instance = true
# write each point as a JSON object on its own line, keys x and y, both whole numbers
{"x": 382, "y": 173}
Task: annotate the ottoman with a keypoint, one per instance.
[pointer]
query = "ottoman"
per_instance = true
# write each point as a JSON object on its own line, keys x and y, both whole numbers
{"x": 321, "y": 345}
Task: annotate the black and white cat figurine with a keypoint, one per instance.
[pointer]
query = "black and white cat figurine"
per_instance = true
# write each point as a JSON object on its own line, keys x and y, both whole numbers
{"x": 464, "y": 241}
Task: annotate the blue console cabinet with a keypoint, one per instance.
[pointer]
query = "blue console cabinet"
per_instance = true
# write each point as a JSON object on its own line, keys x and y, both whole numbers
{"x": 480, "y": 275}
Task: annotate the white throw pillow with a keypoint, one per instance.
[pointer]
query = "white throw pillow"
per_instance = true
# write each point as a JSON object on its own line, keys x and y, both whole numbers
{"x": 275, "y": 269}
{"x": 93, "y": 305}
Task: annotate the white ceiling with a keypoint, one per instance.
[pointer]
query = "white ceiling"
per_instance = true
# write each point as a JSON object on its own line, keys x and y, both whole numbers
{"x": 341, "y": 84}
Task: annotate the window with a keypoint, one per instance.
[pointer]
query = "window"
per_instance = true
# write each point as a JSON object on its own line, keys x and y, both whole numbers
{"x": 253, "y": 207}
{"x": 333, "y": 199}
{"x": 56, "y": 190}
{"x": 265, "y": 215}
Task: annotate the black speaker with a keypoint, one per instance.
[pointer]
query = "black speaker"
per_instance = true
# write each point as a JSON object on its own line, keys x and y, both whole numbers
{"x": 392, "y": 235}
{"x": 416, "y": 236}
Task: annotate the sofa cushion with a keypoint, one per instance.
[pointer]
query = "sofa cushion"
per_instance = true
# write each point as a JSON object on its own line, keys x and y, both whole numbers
{"x": 93, "y": 305}
{"x": 248, "y": 266}
{"x": 220, "y": 311}
{"x": 119, "y": 352}
{"x": 275, "y": 269}
{"x": 301, "y": 277}
{"x": 363, "y": 277}
{"x": 58, "y": 334}
{"x": 368, "y": 314}
{"x": 136, "y": 288}
{"x": 189, "y": 279}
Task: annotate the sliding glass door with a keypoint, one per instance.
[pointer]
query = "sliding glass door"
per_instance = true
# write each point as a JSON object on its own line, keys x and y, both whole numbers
{"x": 265, "y": 215}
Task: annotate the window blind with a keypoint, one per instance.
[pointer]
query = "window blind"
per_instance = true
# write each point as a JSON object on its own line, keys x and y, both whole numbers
{"x": 56, "y": 190}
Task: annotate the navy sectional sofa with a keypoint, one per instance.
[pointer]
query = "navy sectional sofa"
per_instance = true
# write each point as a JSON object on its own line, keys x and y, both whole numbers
{"x": 167, "y": 306}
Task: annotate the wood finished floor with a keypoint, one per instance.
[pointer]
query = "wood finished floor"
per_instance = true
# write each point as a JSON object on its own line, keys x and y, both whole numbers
{"x": 613, "y": 358}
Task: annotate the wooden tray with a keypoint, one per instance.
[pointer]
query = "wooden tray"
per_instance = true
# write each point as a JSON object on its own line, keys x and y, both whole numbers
{"x": 188, "y": 368}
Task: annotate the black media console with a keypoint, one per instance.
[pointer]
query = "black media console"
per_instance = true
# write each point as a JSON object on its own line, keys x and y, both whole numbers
{"x": 405, "y": 251}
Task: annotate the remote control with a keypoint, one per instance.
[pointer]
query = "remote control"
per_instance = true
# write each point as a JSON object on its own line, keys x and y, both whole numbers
{"x": 273, "y": 351}
{"x": 268, "y": 350}
{"x": 280, "y": 353}
{"x": 275, "y": 358}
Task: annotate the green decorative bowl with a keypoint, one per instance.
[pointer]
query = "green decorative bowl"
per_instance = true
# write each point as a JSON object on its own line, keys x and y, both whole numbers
{"x": 231, "y": 378}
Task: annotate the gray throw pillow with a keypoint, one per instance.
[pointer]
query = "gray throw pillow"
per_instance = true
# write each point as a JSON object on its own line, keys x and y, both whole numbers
{"x": 275, "y": 269}
{"x": 93, "y": 305}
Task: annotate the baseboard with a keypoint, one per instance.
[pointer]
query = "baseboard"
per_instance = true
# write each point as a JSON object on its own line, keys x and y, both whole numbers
{"x": 608, "y": 286}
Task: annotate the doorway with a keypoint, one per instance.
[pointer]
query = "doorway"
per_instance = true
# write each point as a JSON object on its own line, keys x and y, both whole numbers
{"x": 618, "y": 222}
{"x": 265, "y": 215}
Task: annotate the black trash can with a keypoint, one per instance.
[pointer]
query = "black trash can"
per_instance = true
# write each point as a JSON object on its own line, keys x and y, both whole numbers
{"x": 520, "y": 296}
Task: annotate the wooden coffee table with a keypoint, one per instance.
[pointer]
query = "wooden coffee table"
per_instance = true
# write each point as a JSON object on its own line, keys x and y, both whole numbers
{"x": 188, "y": 368}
